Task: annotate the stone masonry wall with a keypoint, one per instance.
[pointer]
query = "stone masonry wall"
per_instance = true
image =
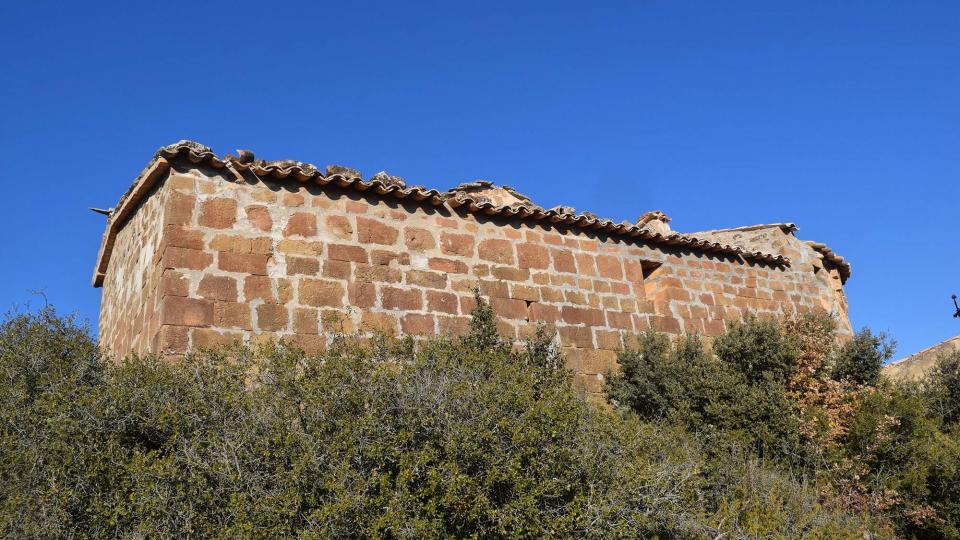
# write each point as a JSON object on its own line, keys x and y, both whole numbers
{"x": 131, "y": 290}
{"x": 242, "y": 260}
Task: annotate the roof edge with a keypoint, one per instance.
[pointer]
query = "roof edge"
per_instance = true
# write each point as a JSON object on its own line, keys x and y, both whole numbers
{"x": 381, "y": 184}
{"x": 788, "y": 228}
{"x": 833, "y": 258}
{"x": 123, "y": 211}
{"x": 923, "y": 351}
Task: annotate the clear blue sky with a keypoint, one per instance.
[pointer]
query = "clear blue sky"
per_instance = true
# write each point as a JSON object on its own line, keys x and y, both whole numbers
{"x": 843, "y": 117}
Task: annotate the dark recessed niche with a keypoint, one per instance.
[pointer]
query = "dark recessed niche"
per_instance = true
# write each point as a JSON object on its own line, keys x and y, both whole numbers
{"x": 650, "y": 269}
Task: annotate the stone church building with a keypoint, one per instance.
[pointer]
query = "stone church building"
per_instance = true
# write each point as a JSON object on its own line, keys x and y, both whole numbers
{"x": 204, "y": 250}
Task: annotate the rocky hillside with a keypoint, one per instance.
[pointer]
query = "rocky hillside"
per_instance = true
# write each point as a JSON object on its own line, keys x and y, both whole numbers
{"x": 917, "y": 364}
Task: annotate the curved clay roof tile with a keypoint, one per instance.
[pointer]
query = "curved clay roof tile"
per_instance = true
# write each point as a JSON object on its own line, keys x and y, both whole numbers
{"x": 511, "y": 202}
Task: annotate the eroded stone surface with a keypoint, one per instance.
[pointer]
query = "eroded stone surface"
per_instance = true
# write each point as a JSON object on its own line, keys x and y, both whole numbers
{"x": 919, "y": 364}
{"x": 207, "y": 259}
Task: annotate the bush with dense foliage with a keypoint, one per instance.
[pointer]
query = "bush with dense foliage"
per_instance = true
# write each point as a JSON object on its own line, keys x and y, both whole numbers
{"x": 381, "y": 439}
{"x": 860, "y": 359}
{"x": 791, "y": 393}
{"x": 738, "y": 390}
{"x": 943, "y": 387}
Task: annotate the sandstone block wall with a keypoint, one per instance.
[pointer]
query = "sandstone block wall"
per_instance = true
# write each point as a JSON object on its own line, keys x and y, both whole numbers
{"x": 210, "y": 257}
{"x": 128, "y": 321}
{"x": 207, "y": 261}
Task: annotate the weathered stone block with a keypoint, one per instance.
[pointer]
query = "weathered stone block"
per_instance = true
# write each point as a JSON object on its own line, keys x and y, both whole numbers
{"x": 218, "y": 213}
{"x": 576, "y": 336}
{"x": 299, "y": 247}
{"x": 453, "y": 326}
{"x": 579, "y": 315}
{"x": 340, "y": 227}
{"x": 173, "y": 340}
{"x": 430, "y": 280}
{"x": 246, "y": 263}
{"x": 524, "y": 292}
{"x": 339, "y": 252}
{"x": 272, "y": 317}
{"x": 563, "y": 261}
{"x": 209, "y": 338}
{"x": 187, "y": 259}
{"x": 301, "y": 265}
{"x": 665, "y": 324}
{"x": 180, "y": 311}
{"x": 301, "y": 224}
{"x": 362, "y": 295}
{"x": 448, "y": 266}
{"x": 442, "y": 302}
{"x": 377, "y": 273}
{"x": 232, "y": 315}
{"x": 173, "y": 283}
{"x": 183, "y": 236}
{"x": 259, "y": 217}
{"x": 308, "y": 343}
{"x": 402, "y": 299}
{"x": 586, "y": 264}
{"x": 371, "y": 231}
{"x": 509, "y": 308}
{"x": 496, "y": 250}
{"x": 544, "y": 313}
{"x": 609, "y": 266}
{"x": 179, "y": 209}
{"x": 317, "y": 292}
{"x": 418, "y": 239}
{"x": 456, "y": 244}
{"x": 620, "y": 320}
{"x": 510, "y": 273}
{"x": 494, "y": 289}
{"x": 336, "y": 269}
{"x": 292, "y": 199}
{"x": 533, "y": 256}
{"x": 417, "y": 324}
{"x": 258, "y": 288}
{"x": 378, "y": 322}
{"x": 218, "y": 288}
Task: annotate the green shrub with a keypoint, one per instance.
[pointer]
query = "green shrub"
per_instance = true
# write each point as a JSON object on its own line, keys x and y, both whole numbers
{"x": 653, "y": 378}
{"x": 943, "y": 387}
{"x": 898, "y": 460}
{"x": 762, "y": 502}
{"x": 738, "y": 392}
{"x": 859, "y": 360}
{"x": 800, "y": 431}
{"x": 758, "y": 349}
{"x": 387, "y": 440}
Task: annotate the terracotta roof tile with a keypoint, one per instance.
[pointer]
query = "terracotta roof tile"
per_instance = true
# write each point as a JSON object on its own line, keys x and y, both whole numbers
{"x": 830, "y": 256}
{"x": 462, "y": 197}
{"x": 651, "y": 216}
{"x": 789, "y": 228}
{"x": 590, "y": 221}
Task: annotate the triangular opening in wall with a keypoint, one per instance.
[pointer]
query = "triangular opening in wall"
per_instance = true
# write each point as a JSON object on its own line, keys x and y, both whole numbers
{"x": 650, "y": 269}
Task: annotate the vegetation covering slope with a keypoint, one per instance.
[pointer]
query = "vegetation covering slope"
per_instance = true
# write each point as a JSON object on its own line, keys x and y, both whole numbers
{"x": 786, "y": 393}
{"x": 770, "y": 432}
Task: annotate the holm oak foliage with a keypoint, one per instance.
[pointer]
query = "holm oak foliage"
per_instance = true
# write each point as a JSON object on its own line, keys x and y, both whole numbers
{"x": 468, "y": 437}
